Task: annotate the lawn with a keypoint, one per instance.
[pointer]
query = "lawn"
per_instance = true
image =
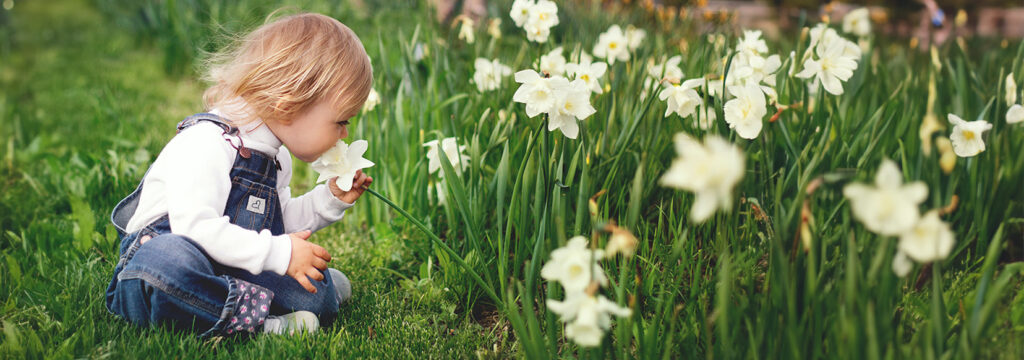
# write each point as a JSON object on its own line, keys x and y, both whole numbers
{"x": 753, "y": 244}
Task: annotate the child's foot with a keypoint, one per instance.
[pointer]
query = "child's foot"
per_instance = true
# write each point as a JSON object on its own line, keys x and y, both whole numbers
{"x": 288, "y": 324}
{"x": 341, "y": 285}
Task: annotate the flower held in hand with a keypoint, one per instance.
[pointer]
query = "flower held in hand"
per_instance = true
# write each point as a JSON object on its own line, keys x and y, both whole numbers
{"x": 342, "y": 160}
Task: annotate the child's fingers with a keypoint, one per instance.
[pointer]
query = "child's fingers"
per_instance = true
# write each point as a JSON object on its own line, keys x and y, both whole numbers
{"x": 320, "y": 252}
{"x": 315, "y": 275}
{"x": 319, "y": 264}
{"x": 301, "y": 278}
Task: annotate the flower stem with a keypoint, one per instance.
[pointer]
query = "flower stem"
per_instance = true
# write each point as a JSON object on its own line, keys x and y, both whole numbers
{"x": 458, "y": 259}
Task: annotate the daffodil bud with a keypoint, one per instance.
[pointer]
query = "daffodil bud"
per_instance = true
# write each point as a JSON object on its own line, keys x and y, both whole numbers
{"x": 961, "y": 18}
{"x": 494, "y": 28}
{"x": 1011, "y": 90}
{"x": 947, "y": 159}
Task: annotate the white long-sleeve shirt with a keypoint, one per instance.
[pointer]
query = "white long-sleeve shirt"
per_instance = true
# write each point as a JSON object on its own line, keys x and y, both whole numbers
{"x": 190, "y": 181}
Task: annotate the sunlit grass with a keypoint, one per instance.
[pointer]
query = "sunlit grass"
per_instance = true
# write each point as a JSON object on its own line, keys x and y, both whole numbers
{"x": 788, "y": 272}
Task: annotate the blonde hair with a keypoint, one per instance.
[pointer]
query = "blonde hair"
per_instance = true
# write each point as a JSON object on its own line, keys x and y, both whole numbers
{"x": 284, "y": 67}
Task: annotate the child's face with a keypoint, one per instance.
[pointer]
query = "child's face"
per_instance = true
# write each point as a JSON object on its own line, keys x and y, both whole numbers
{"x": 311, "y": 134}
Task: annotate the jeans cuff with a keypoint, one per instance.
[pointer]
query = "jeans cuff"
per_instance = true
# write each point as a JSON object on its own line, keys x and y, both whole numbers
{"x": 245, "y": 309}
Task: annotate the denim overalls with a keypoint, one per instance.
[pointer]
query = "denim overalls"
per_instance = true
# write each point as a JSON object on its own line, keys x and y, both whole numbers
{"x": 165, "y": 278}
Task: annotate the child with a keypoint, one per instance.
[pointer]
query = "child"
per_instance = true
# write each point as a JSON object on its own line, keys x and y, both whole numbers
{"x": 212, "y": 240}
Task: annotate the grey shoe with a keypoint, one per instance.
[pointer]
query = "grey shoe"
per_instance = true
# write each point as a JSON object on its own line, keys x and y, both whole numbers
{"x": 288, "y": 324}
{"x": 342, "y": 286}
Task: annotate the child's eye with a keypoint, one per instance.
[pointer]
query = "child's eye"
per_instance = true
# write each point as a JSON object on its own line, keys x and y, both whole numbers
{"x": 343, "y": 123}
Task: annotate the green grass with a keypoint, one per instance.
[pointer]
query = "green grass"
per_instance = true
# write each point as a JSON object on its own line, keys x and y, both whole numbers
{"x": 85, "y": 110}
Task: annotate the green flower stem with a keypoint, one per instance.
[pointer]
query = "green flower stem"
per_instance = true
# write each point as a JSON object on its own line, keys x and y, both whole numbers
{"x": 458, "y": 259}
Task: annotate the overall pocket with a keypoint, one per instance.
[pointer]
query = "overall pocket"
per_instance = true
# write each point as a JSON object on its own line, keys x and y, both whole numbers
{"x": 251, "y": 204}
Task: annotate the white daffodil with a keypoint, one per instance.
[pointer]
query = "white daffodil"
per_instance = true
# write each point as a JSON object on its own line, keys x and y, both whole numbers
{"x": 535, "y": 92}
{"x": 822, "y": 35}
{"x": 451, "y": 149}
{"x": 342, "y": 160}
{"x": 589, "y": 72}
{"x": 587, "y": 317}
{"x": 682, "y": 99}
{"x": 489, "y": 73}
{"x": 536, "y": 18}
{"x": 553, "y": 62}
{"x": 929, "y": 240}
{"x": 669, "y": 71}
{"x": 751, "y": 43}
{"x": 1011, "y": 90}
{"x": 746, "y": 112}
{"x": 888, "y": 208}
{"x": 1015, "y": 114}
{"x": 612, "y": 45}
{"x": 754, "y": 69}
{"x": 901, "y": 264}
{"x": 544, "y": 13}
{"x": 521, "y": 11}
{"x": 372, "y": 100}
{"x": 537, "y": 33}
{"x": 711, "y": 170}
{"x": 574, "y": 266}
{"x": 634, "y": 37}
{"x": 834, "y": 64}
{"x": 572, "y": 102}
{"x": 966, "y": 136}
{"x": 858, "y": 22}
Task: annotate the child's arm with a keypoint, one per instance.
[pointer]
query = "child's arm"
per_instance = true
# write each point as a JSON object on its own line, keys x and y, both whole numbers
{"x": 194, "y": 171}
{"x": 315, "y": 209}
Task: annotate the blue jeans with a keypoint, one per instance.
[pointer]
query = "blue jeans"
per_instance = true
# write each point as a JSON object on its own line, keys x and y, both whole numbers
{"x": 170, "y": 280}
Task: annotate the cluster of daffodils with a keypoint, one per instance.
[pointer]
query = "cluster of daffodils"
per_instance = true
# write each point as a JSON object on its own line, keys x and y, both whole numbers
{"x": 710, "y": 170}
{"x": 1016, "y": 112}
{"x": 562, "y": 100}
{"x": 535, "y": 17}
{"x": 890, "y": 208}
{"x": 750, "y": 83}
{"x": 489, "y": 73}
{"x": 616, "y": 45}
{"x": 342, "y": 161}
{"x": 587, "y": 314}
{"x": 832, "y": 61}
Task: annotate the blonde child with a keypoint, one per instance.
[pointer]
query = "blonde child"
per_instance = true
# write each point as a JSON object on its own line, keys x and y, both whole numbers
{"x": 211, "y": 240}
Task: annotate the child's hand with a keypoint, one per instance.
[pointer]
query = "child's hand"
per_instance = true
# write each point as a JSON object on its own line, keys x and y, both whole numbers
{"x": 357, "y": 187}
{"x": 307, "y": 259}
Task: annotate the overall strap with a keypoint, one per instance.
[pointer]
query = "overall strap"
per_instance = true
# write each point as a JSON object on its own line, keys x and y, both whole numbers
{"x": 229, "y": 131}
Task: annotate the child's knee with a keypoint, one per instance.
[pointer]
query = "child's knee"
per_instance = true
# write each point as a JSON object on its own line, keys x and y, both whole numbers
{"x": 169, "y": 255}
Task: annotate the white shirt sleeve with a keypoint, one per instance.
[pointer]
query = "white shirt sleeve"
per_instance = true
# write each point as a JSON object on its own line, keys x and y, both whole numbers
{"x": 195, "y": 167}
{"x": 314, "y": 210}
